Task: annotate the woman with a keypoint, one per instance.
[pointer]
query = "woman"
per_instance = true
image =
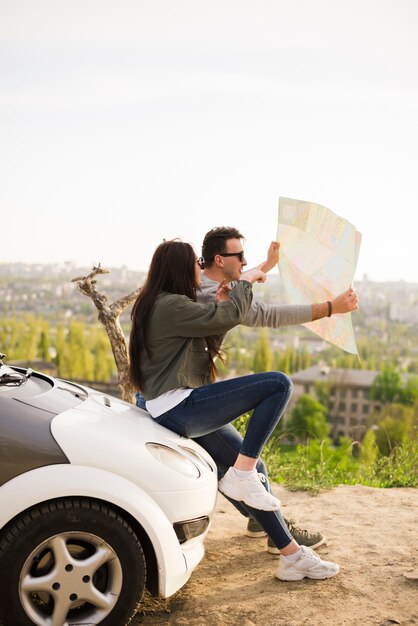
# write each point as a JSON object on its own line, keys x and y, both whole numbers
{"x": 173, "y": 345}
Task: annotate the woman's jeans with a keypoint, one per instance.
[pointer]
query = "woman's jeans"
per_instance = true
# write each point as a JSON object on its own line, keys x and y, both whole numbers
{"x": 209, "y": 407}
{"x": 206, "y": 415}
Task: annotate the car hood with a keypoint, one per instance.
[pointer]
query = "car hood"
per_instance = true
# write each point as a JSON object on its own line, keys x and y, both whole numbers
{"x": 109, "y": 433}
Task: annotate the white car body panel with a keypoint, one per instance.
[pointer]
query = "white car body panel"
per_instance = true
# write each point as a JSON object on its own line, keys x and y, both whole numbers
{"x": 105, "y": 442}
{"x": 92, "y": 435}
{"x": 175, "y": 562}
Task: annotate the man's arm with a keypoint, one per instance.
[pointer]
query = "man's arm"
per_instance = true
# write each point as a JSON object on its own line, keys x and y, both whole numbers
{"x": 344, "y": 303}
{"x": 274, "y": 316}
{"x": 278, "y": 315}
{"x": 272, "y": 258}
{"x": 260, "y": 313}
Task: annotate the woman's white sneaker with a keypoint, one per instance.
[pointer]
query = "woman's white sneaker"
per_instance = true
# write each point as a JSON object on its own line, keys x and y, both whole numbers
{"x": 249, "y": 490}
{"x": 309, "y": 565}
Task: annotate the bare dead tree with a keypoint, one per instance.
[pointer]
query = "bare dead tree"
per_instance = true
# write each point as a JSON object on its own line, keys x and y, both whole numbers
{"x": 109, "y": 315}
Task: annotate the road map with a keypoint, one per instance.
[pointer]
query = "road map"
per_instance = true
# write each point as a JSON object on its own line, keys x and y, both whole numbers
{"x": 318, "y": 258}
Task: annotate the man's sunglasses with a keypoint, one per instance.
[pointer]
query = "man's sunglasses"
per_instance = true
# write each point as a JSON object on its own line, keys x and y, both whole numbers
{"x": 240, "y": 255}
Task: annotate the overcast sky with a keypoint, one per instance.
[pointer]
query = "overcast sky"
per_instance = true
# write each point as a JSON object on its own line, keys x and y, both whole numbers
{"x": 123, "y": 122}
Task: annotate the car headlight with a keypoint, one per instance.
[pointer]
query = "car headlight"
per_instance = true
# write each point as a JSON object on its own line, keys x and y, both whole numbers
{"x": 173, "y": 459}
{"x": 197, "y": 457}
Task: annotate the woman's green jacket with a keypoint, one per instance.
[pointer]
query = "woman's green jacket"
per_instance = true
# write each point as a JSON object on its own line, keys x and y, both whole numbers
{"x": 179, "y": 355}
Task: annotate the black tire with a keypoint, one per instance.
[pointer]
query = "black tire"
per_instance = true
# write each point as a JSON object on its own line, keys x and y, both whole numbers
{"x": 57, "y": 556}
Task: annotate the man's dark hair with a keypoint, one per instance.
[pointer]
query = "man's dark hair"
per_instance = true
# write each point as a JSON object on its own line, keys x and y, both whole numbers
{"x": 215, "y": 242}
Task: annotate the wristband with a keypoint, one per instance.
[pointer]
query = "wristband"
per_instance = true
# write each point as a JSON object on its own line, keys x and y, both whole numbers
{"x": 329, "y": 303}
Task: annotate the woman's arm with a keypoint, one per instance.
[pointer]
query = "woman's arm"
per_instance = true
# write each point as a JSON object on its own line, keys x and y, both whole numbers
{"x": 178, "y": 315}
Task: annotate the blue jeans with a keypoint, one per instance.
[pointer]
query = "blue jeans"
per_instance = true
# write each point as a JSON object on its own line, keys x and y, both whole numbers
{"x": 224, "y": 445}
{"x": 207, "y": 420}
{"x": 209, "y": 407}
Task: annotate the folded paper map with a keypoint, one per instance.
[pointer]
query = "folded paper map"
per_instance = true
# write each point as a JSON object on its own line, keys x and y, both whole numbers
{"x": 318, "y": 258}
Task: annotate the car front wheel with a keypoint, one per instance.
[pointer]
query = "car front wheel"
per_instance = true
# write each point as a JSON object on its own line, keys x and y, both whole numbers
{"x": 71, "y": 561}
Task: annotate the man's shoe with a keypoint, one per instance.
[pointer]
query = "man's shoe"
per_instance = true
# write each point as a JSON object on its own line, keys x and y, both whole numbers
{"x": 249, "y": 490}
{"x": 309, "y": 565}
{"x": 301, "y": 536}
{"x": 254, "y": 529}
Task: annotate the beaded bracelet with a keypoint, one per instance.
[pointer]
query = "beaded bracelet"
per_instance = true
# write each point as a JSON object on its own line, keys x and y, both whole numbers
{"x": 329, "y": 308}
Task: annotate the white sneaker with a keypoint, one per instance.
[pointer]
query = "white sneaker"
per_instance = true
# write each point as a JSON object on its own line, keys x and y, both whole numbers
{"x": 248, "y": 490}
{"x": 309, "y": 565}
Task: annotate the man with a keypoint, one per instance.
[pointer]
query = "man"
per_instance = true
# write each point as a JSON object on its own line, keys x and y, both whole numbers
{"x": 223, "y": 258}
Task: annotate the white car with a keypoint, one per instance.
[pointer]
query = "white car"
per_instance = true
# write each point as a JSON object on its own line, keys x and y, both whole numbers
{"x": 97, "y": 503}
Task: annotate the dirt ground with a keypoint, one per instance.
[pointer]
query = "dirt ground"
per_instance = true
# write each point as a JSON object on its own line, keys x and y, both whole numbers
{"x": 371, "y": 533}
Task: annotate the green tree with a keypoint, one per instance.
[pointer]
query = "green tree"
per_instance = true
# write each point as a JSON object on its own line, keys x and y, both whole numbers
{"x": 27, "y": 347}
{"x": 308, "y": 419}
{"x": 304, "y": 358}
{"x": 409, "y": 393}
{"x": 323, "y": 392}
{"x": 387, "y": 385}
{"x": 44, "y": 342}
{"x": 237, "y": 354}
{"x": 263, "y": 359}
{"x": 393, "y": 425}
{"x": 288, "y": 361}
{"x": 80, "y": 361}
{"x": 104, "y": 363}
{"x": 60, "y": 349}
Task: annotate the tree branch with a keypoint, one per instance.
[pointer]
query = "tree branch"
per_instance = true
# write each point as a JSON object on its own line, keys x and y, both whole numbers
{"x": 109, "y": 316}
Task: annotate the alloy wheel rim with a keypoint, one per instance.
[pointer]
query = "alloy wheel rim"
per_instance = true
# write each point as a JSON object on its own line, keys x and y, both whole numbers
{"x": 68, "y": 577}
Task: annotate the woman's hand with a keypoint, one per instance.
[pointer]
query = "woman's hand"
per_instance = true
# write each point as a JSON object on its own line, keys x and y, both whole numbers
{"x": 222, "y": 291}
{"x": 345, "y": 302}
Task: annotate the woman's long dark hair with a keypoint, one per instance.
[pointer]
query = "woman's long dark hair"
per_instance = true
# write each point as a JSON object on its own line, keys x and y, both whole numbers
{"x": 172, "y": 270}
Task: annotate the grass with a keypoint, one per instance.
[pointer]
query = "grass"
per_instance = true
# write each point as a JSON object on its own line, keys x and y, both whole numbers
{"x": 318, "y": 464}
